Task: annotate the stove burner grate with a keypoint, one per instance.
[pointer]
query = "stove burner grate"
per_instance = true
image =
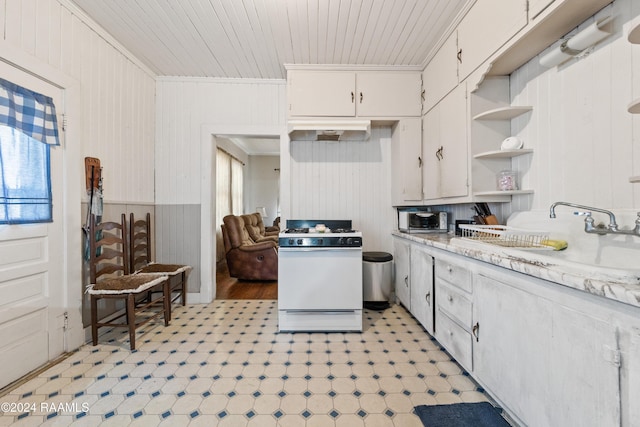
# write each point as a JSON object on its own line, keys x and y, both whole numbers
{"x": 296, "y": 230}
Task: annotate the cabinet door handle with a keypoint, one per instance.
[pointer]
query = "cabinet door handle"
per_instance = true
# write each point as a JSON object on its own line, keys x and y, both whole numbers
{"x": 428, "y": 298}
{"x": 361, "y": 97}
{"x": 476, "y": 331}
{"x": 419, "y": 161}
{"x": 450, "y": 298}
{"x": 406, "y": 280}
{"x": 353, "y": 97}
{"x": 422, "y": 94}
{"x": 449, "y": 268}
{"x": 460, "y": 56}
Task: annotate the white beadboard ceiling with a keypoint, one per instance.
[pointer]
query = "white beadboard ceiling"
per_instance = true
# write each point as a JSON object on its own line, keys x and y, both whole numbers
{"x": 254, "y": 38}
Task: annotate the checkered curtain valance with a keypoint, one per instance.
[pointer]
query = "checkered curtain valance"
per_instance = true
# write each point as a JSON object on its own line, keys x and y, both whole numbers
{"x": 29, "y": 112}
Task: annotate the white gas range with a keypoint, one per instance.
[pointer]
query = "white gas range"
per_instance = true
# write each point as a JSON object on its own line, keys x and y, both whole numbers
{"x": 320, "y": 276}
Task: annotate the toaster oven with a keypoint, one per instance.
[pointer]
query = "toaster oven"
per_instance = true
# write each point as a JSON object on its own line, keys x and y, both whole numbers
{"x": 416, "y": 221}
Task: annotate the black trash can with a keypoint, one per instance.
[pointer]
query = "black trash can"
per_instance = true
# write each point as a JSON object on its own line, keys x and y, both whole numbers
{"x": 377, "y": 279}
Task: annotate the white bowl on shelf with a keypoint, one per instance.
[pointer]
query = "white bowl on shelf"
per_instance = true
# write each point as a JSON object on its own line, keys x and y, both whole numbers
{"x": 512, "y": 143}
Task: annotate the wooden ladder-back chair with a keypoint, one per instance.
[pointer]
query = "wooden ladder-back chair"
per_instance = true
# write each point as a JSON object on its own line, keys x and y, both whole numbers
{"x": 140, "y": 259}
{"x": 110, "y": 279}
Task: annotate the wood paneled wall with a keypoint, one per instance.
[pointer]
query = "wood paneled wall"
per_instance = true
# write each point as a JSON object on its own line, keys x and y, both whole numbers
{"x": 185, "y": 105}
{"x": 346, "y": 180}
{"x": 586, "y": 143}
{"x": 185, "y": 108}
{"x": 118, "y": 93}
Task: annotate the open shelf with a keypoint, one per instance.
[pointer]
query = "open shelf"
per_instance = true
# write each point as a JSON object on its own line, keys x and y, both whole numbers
{"x": 502, "y": 193}
{"x": 504, "y": 113}
{"x": 502, "y": 154}
{"x": 634, "y": 107}
{"x": 634, "y": 32}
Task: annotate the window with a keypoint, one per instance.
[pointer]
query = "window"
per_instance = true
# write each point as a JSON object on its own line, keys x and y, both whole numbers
{"x": 229, "y": 194}
{"x": 229, "y": 184}
{"x": 25, "y": 181}
{"x": 27, "y": 129}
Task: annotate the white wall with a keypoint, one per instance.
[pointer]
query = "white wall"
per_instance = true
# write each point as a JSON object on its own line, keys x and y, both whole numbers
{"x": 185, "y": 105}
{"x": 109, "y": 101}
{"x": 345, "y": 180}
{"x": 117, "y": 92}
{"x": 586, "y": 143}
{"x": 261, "y": 186}
{"x": 188, "y": 112}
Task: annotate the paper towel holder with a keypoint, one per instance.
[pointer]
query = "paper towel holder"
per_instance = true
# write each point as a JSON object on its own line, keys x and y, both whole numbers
{"x": 577, "y": 45}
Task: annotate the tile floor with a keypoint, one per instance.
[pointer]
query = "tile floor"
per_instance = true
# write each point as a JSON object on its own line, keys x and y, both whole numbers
{"x": 225, "y": 364}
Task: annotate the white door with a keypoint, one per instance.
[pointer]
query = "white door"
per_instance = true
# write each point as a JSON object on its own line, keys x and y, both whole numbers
{"x": 32, "y": 259}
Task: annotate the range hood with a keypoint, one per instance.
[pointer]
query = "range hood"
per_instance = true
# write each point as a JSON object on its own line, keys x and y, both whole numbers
{"x": 329, "y": 130}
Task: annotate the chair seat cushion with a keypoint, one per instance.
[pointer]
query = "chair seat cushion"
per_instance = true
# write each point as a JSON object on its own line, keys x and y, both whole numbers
{"x": 126, "y": 284}
{"x": 168, "y": 269}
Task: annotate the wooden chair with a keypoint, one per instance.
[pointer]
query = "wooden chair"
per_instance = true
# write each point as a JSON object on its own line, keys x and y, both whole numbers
{"x": 110, "y": 279}
{"x": 140, "y": 260}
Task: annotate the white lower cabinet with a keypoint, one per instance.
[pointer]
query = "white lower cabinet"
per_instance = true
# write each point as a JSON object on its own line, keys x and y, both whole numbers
{"x": 414, "y": 280}
{"x": 550, "y": 365}
{"x": 510, "y": 353}
{"x": 548, "y": 354}
{"x": 402, "y": 279}
{"x": 454, "y": 308}
{"x": 422, "y": 296}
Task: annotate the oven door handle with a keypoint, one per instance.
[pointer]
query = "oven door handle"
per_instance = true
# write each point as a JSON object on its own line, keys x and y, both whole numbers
{"x": 319, "y": 249}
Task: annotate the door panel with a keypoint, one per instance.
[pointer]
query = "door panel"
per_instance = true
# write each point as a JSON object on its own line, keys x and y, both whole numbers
{"x": 32, "y": 259}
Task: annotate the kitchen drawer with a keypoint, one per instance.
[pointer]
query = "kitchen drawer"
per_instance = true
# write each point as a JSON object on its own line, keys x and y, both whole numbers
{"x": 453, "y": 273}
{"x": 456, "y": 340}
{"x": 454, "y": 303}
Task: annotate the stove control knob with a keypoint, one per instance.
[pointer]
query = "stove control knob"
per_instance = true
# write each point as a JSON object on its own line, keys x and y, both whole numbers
{"x": 341, "y": 241}
{"x": 320, "y": 242}
{"x": 299, "y": 241}
{"x": 291, "y": 242}
{"x": 349, "y": 241}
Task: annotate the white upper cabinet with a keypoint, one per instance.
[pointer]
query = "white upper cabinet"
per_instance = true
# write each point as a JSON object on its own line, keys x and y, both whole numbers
{"x": 441, "y": 75}
{"x": 388, "y": 94}
{"x": 445, "y": 149}
{"x": 488, "y": 25}
{"x": 327, "y": 93}
{"x": 537, "y": 6}
{"x": 321, "y": 93}
{"x": 406, "y": 162}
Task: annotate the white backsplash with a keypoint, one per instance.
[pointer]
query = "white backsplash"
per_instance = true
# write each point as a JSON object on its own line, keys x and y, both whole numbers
{"x": 592, "y": 250}
{"x": 345, "y": 180}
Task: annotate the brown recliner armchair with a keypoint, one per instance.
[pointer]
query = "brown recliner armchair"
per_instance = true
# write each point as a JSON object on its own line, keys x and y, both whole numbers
{"x": 246, "y": 259}
{"x": 256, "y": 229}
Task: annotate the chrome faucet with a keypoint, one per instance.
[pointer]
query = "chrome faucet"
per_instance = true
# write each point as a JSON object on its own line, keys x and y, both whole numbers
{"x": 589, "y": 222}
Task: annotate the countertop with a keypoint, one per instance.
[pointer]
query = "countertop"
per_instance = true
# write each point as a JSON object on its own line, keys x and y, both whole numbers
{"x": 615, "y": 284}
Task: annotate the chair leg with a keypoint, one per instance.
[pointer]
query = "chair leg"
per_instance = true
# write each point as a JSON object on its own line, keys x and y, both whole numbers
{"x": 184, "y": 288}
{"x": 131, "y": 320}
{"x": 94, "y": 319}
{"x": 166, "y": 292}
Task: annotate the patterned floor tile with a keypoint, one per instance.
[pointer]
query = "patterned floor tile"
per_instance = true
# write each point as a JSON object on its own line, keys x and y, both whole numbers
{"x": 226, "y": 364}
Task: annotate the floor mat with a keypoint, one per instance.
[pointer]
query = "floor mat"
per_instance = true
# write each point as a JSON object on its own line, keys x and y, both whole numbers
{"x": 481, "y": 414}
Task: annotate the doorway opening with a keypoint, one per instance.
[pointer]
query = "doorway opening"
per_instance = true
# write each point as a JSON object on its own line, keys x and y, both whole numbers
{"x": 247, "y": 181}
